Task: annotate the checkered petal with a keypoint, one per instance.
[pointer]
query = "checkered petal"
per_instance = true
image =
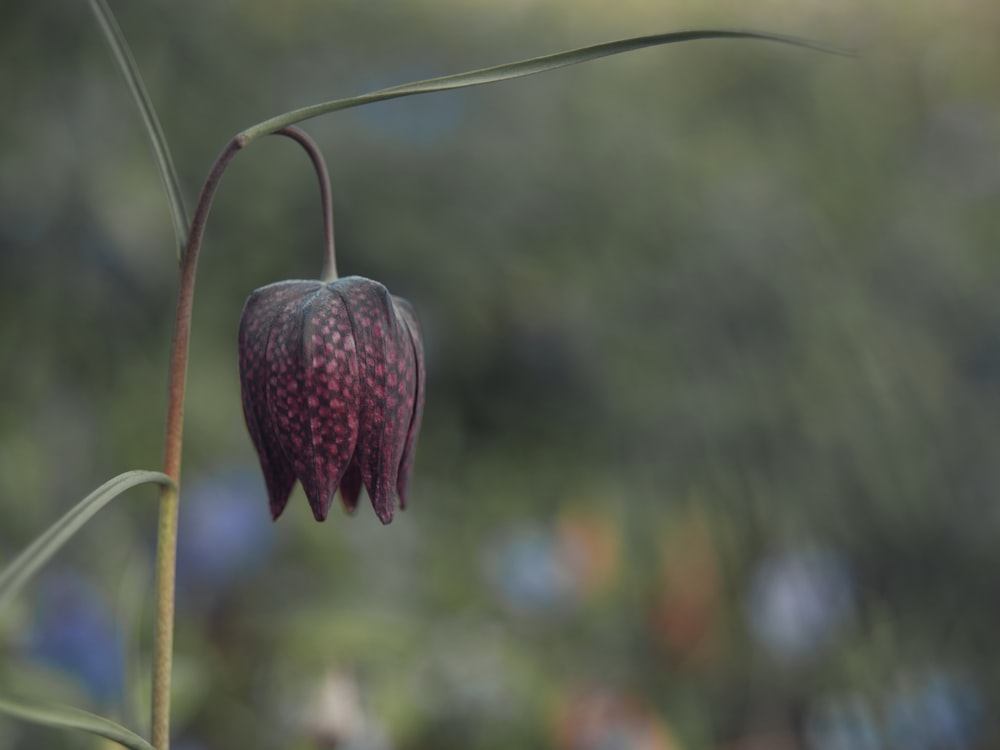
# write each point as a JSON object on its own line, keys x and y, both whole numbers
{"x": 332, "y": 378}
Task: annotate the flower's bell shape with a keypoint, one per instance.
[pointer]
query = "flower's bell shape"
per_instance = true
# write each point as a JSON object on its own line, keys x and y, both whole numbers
{"x": 333, "y": 391}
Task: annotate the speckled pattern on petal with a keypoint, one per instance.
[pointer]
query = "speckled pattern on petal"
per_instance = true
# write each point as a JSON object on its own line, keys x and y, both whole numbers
{"x": 388, "y": 374}
{"x": 331, "y": 396}
{"x": 287, "y": 417}
{"x": 333, "y": 383}
{"x": 256, "y": 323}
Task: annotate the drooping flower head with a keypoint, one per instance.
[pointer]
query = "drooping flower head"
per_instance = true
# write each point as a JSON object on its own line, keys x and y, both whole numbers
{"x": 332, "y": 376}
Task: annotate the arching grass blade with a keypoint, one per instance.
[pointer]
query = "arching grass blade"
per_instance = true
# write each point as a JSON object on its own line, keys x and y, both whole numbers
{"x": 521, "y": 69}
{"x": 67, "y": 717}
{"x": 21, "y": 568}
{"x": 161, "y": 152}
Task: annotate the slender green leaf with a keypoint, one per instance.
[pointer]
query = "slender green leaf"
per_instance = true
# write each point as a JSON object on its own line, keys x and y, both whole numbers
{"x": 22, "y": 567}
{"x": 521, "y": 69}
{"x": 67, "y": 717}
{"x": 161, "y": 152}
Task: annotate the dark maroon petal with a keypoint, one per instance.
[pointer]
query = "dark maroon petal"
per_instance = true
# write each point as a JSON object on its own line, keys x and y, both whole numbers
{"x": 350, "y": 487}
{"x": 331, "y": 396}
{"x": 256, "y": 323}
{"x": 293, "y": 401}
{"x": 386, "y": 369}
{"x": 332, "y": 381}
{"x": 417, "y": 404}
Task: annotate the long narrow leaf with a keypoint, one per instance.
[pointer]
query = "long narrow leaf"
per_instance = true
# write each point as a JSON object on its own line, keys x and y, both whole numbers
{"x": 67, "y": 717}
{"x": 21, "y": 568}
{"x": 521, "y": 69}
{"x": 161, "y": 152}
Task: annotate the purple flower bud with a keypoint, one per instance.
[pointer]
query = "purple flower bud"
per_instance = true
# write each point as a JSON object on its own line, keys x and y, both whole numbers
{"x": 333, "y": 391}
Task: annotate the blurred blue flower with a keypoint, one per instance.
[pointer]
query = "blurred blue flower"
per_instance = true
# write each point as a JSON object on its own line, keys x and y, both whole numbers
{"x": 531, "y": 572}
{"x": 846, "y": 723}
{"x": 73, "y": 631}
{"x": 798, "y": 601}
{"x": 225, "y": 533}
{"x": 939, "y": 713}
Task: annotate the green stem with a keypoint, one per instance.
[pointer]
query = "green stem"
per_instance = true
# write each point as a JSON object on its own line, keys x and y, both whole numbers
{"x": 166, "y": 551}
{"x": 316, "y": 156}
{"x": 166, "y": 540}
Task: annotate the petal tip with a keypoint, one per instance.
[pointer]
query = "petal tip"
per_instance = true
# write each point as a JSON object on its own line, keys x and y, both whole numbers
{"x": 320, "y": 507}
{"x": 278, "y": 500}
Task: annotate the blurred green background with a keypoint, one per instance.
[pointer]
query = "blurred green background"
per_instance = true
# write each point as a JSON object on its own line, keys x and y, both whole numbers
{"x": 709, "y": 458}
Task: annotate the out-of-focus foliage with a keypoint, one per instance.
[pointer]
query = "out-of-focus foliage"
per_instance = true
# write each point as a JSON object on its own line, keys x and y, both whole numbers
{"x": 709, "y": 454}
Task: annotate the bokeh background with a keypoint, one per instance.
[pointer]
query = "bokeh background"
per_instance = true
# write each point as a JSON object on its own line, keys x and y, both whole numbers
{"x": 710, "y": 451}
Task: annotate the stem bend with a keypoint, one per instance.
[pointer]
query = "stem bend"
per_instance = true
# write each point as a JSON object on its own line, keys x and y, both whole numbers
{"x": 166, "y": 554}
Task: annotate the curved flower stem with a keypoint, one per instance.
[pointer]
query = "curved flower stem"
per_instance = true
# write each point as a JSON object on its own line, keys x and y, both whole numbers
{"x": 166, "y": 552}
{"x": 330, "y": 257}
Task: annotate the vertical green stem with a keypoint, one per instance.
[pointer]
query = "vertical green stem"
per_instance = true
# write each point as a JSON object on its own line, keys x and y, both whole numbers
{"x": 166, "y": 540}
{"x": 166, "y": 543}
{"x": 166, "y": 560}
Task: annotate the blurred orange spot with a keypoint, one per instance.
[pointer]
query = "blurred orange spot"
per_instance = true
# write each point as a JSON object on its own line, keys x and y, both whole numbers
{"x": 687, "y": 610}
{"x": 594, "y": 718}
{"x": 591, "y": 544}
